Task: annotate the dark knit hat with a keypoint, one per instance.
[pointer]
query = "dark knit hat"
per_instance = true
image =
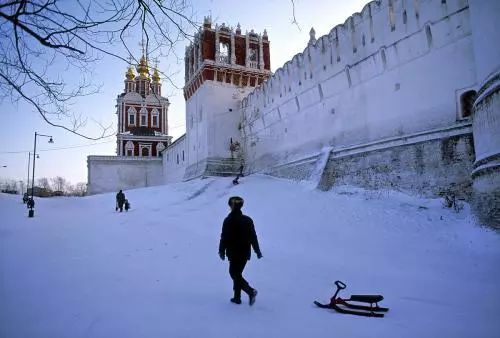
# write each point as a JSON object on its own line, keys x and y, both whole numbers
{"x": 235, "y": 202}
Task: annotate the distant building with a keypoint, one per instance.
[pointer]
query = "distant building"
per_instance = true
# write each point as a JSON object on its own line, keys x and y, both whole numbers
{"x": 142, "y": 114}
{"x": 142, "y": 135}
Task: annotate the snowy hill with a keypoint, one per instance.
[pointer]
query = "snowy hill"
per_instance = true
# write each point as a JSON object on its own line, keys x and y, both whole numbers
{"x": 79, "y": 269}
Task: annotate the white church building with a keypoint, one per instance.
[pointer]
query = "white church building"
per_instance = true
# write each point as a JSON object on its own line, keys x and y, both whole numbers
{"x": 403, "y": 95}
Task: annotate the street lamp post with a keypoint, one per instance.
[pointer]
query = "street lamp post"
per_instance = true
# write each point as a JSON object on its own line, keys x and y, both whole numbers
{"x": 29, "y": 164}
{"x": 31, "y": 212}
{"x": 28, "y": 181}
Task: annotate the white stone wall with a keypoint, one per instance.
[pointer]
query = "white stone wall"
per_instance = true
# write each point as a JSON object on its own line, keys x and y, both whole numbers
{"x": 212, "y": 119}
{"x": 112, "y": 173}
{"x": 175, "y": 160}
{"x": 362, "y": 82}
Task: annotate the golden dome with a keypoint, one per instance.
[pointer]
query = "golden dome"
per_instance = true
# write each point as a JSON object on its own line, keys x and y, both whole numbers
{"x": 130, "y": 75}
{"x": 156, "y": 76}
{"x": 143, "y": 68}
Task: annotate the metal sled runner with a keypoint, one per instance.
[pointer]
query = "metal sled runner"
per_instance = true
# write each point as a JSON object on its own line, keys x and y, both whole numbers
{"x": 343, "y": 306}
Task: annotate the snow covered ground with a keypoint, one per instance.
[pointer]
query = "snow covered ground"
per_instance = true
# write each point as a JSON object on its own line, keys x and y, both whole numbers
{"x": 79, "y": 269}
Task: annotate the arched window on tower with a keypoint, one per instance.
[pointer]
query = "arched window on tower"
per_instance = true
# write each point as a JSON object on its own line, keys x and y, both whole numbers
{"x": 467, "y": 103}
{"x": 252, "y": 57}
{"x": 155, "y": 118}
{"x": 143, "y": 115}
{"x": 131, "y": 116}
{"x": 224, "y": 52}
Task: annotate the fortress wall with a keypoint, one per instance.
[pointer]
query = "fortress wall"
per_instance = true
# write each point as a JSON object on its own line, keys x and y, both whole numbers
{"x": 175, "y": 160}
{"x": 360, "y": 83}
{"x": 112, "y": 173}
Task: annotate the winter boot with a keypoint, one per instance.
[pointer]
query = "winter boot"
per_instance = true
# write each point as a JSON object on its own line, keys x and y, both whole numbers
{"x": 251, "y": 297}
{"x": 237, "y": 297}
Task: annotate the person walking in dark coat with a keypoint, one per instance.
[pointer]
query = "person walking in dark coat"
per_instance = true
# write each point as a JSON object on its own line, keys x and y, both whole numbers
{"x": 237, "y": 238}
{"x": 120, "y": 200}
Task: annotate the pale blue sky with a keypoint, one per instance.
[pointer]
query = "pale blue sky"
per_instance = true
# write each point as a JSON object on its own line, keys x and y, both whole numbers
{"x": 19, "y": 122}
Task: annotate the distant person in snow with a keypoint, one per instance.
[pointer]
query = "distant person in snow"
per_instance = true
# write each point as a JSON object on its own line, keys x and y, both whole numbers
{"x": 241, "y": 169}
{"x": 127, "y": 205}
{"x": 235, "y": 181}
{"x": 31, "y": 203}
{"x": 120, "y": 200}
{"x": 237, "y": 238}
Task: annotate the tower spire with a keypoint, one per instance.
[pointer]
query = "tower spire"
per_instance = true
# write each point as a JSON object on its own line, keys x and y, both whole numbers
{"x": 142, "y": 67}
{"x": 156, "y": 76}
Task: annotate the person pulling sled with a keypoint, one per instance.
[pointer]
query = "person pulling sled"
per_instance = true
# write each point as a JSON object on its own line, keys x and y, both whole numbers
{"x": 237, "y": 238}
{"x": 120, "y": 200}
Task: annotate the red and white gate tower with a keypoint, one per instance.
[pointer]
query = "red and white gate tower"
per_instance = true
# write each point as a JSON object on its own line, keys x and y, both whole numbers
{"x": 142, "y": 114}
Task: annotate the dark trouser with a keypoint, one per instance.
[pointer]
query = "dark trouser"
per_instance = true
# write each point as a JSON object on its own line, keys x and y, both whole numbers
{"x": 120, "y": 205}
{"x": 236, "y": 267}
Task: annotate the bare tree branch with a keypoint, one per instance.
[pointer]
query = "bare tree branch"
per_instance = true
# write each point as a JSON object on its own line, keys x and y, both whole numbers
{"x": 48, "y": 48}
{"x": 294, "y": 21}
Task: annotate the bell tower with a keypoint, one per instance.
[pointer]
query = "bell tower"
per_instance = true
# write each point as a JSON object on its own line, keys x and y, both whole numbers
{"x": 225, "y": 55}
{"x": 142, "y": 113}
{"x": 222, "y": 66}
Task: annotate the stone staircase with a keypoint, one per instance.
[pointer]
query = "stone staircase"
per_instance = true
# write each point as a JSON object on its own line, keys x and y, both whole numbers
{"x": 218, "y": 166}
{"x": 213, "y": 166}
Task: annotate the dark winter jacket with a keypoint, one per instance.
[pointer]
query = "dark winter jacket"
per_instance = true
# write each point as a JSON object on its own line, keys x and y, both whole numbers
{"x": 238, "y": 236}
{"x": 120, "y": 198}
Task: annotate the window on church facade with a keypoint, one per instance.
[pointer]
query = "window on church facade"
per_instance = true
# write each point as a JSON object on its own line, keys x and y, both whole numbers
{"x": 131, "y": 116}
{"x": 129, "y": 152}
{"x": 155, "y": 119}
{"x": 144, "y": 118}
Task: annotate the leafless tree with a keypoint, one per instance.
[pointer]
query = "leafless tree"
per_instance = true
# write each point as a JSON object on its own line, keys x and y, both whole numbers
{"x": 43, "y": 183}
{"x": 9, "y": 185}
{"x": 80, "y": 189}
{"x": 59, "y": 183}
{"x": 48, "y": 48}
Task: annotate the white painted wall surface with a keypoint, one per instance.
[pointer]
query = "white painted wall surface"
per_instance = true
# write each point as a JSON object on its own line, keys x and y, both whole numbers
{"x": 212, "y": 118}
{"x": 174, "y": 165}
{"x": 346, "y": 89}
{"x": 112, "y": 173}
{"x": 485, "y": 18}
